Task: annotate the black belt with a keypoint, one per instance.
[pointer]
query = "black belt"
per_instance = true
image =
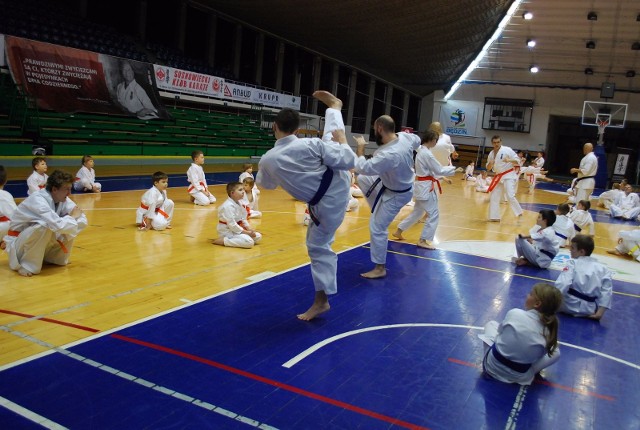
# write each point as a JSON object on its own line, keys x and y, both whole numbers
{"x": 584, "y": 177}
{"x": 325, "y": 182}
{"x": 578, "y": 294}
{"x": 578, "y": 229}
{"x": 561, "y": 235}
{"x": 517, "y": 367}
{"x": 382, "y": 189}
{"x": 548, "y": 253}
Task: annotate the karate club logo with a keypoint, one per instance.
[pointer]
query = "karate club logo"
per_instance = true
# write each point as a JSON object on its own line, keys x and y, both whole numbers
{"x": 215, "y": 85}
{"x": 160, "y": 74}
{"x": 457, "y": 118}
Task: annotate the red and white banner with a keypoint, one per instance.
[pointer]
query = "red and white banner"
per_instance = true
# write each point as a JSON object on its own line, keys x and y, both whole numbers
{"x": 184, "y": 81}
{"x": 252, "y": 95}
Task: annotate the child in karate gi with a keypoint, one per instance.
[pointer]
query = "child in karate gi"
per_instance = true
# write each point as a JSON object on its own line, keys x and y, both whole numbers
{"x": 526, "y": 341}
{"x": 198, "y": 190}
{"x": 628, "y": 244}
{"x": 251, "y": 197}
{"x": 156, "y": 209}
{"x": 563, "y": 226}
{"x": 233, "y": 228}
{"x": 540, "y": 247}
{"x": 582, "y": 219}
{"x": 7, "y": 207}
{"x": 38, "y": 179}
{"x": 585, "y": 283}
{"x": 86, "y": 177}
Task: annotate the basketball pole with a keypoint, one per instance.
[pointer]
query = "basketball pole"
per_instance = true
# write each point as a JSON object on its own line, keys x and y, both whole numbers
{"x": 601, "y": 175}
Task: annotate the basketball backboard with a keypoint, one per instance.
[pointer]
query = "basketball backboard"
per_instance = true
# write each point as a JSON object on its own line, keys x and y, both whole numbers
{"x": 604, "y": 114}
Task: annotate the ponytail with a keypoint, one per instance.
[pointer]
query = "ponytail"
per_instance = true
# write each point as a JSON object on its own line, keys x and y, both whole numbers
{"x": 550, "y": 300}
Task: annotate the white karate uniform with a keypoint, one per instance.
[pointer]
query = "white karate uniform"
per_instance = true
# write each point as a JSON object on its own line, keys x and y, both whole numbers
{"x": 443, "y": 150}
{"x": 36, "y": 182}
{"x": 7, "y": 208}
{"x": 533, "y": 172}
{"x": 482, "y": 184}
{"x": 252, "y": 205}
{"x": 583, "y": 221}
{"x": 298, "y": 165}
{"x": 134, "y": 98}
{"x": 156, "y": 208}
{"x": 355, "y": 189}
{"x": 588, "y": 167}
{"x": 587, "y": 276}
{"x": 543, "y": 249}
{"x": 565, "y": 231}
{"x": 41, "y": 231}
{"x": 86, "y": 180}
{"x": 626, "y": 207}
{"x": 630, "y": 243}
{"x": 507, "y": 183}
{"x": 232, "y": 217}
{"x": 468, "y": 173}
{"x": 392, "y": 163}
{"x": 607, "y": 198}
{"x": 245, "y": 175}
{"x": 195, "y": 176}
{"x": 520, "y": 339}
{"x": 425, "y": 193}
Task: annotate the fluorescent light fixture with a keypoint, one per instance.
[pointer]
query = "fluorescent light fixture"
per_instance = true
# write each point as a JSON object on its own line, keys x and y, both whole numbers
{"x": 534, "y": 69}
{"x": 485, "y": 48}
{"x": 531, "y": 43}
{"x": 527, "y": 15}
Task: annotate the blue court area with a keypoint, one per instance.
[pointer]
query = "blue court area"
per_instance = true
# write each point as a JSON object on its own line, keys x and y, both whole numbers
{"x": 399, "y": 352}
{"x": 600, "y": 216}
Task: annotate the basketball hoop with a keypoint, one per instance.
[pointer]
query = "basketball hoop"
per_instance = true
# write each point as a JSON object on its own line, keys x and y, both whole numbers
{"x": 602, "y": 124}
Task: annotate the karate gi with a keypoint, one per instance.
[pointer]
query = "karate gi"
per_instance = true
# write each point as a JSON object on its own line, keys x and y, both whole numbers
{"x": 468, "y": 174}
{"x": 482, "y": 184}
{"x": 392, "y": 163}
{"x": 156, "y": 208}
{"x": 85, "y": 180}
{"x": 506, "y": 184}
{"x": 610, "y": 197}
{"x": 582, "y": 222}
{"x": 42, "y": 231}
{"x": 36, "y": 182}
{"x": 588, "y": 167}
{"x": 7, "y": 208}
{"x": 543, "y": 249}
{"x": 586, "y": 285}
{"x": 298, "y": 166}
{"x": 425, "y": 193}
{"x": 630, "y": 243}
{"x": 232, "y": 217}
{"x": 565, "y": 231}
{"x": 134, "y": 98}
{"x": 626, "y": 207}
{"x": 443, "y": 150}
{"x": 252, "y": 205}
{"x": 195, "y": 176}
{"x": 533, "y": 172}
{"x": 520, "y": 339}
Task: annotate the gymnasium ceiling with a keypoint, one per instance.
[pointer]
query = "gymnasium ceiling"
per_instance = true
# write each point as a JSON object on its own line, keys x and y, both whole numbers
{"x": 424, "y": 45}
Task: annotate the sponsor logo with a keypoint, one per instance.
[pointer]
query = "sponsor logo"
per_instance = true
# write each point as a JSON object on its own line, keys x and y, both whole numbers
{"x": 241, "y": 92}
{"x": 457, "y": 118}
{"x": 215, "y": 85}
{"x": 227, "y": 91}
{"x": 268, "y": 97}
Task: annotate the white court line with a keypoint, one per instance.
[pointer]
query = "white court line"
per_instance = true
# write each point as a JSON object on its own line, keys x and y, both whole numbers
{"x": 30, "y": 415}
{"x": 307, "y": 352}
{"x": 515, "y": 409}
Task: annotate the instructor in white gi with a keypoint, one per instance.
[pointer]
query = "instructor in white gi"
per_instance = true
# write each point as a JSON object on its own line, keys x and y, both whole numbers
{"x": 586, "y": 173}
{"x": 315, "y": 171}
{"x": 502, "y": 161}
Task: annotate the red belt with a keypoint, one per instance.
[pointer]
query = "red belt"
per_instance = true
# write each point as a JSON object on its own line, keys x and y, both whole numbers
{"x": 158, "y": 210}
{"x": 193, "y": 186}
{"x": 4, "y": 218}
{"x": 496, "y": 179}
{"x": 432, "y": 179}
{"x": 14, "y": 233}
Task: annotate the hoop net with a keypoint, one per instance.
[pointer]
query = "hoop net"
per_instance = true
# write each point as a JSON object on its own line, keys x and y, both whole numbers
{"x": 602, "y": 121}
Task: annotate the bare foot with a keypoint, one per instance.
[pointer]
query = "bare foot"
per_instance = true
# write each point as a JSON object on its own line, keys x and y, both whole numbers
{"x": 426, "y": 245}
{"x": 169, "y": 227}
{"x": 24, "y": 272}
{"x": 314, "y": 311}
{"x": 329, "y": 99}
{"x": 378, "y": 272}
{"x": 616, "y": 252}
{"x": 521, "y": 261}
{"x": 448, "y": 181}
{"x": 218, "y": 241}
{"x": 2, "y": 244}
{"x": 398, "y": 234}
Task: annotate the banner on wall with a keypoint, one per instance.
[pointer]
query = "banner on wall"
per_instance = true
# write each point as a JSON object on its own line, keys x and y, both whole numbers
{"x": 69, "y": 80}
{"x": 458, "y": 120}
{"x": 246, "y": 94}
{"x": 184, "y": 81}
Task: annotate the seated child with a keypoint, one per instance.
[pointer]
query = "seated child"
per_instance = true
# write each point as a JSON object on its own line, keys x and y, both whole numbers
{"x": 483, "y": 182}
{"x": 563, "y": 226}
{"x": 247, "y": 172}
{"x": 233, "y": 228}
{"x": 526, "y": 341}
{"x": 585, "y": 283}
{"x": 355, "y": 189}
{"x": 156, "y": 210}
{"x": 251, "y": 197}
{"x": 627, "y": 206}
{"x": 540, "y": 247}
{"x": 7, "y": 207}
{"x": 86, "y": 177}
{"x": 628, "y": 244}
{"x": 468, "y": 173}
{"x": 38, "y": 179}
{"x": 582, "y": 219}
{"x": 607, "y": 198}
{"x": 198, "y": 190}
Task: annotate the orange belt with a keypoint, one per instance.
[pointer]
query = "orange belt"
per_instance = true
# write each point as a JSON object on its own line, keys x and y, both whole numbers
{"x": 41, "y": 186}
{"x": 433, "y": 181}
{"x": 496, "y": 179}
{"x": 223, "y": 222}
{"x": 193, "y": 186}
{"x": 4, "y": 218}
{"x": 77, "y": 179}
{"x": 158, "y": 210}
{"x": 14, "y": 233}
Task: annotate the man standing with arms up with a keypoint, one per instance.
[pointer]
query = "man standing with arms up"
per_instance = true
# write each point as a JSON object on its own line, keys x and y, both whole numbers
{"x": 317, "y": 172}
{"x": 585, "y": 183}
{"x": 391, "y": 168}
{"x": 502, "y": 161}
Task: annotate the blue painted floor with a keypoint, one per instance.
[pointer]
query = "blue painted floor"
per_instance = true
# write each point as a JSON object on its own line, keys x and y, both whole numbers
{"x": 398, "y": 352}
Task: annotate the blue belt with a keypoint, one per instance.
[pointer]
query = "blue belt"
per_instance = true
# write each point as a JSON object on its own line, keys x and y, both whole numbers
{"x": 327, "y": 177}
{"x": 548, "y": 253}
{"x": 517, "y": 367}
{"x": 578, "y": 294}
{"x": 561, "y": 235}
{"x": 382, "y": 189}
{"x": 578, "y": 229}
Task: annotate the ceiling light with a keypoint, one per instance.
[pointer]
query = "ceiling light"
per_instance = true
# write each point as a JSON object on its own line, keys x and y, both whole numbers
{"x": 592, "y": 16}
{"x": 630, "y": 73}
{"x": 591, "y": 44}
{"x": 588, "y": 71}
{"x": 635, "y": 46}
{"x": 527, "y": 15}
{"x": 534, "y": 69}
{"x": 531, "y": 43}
